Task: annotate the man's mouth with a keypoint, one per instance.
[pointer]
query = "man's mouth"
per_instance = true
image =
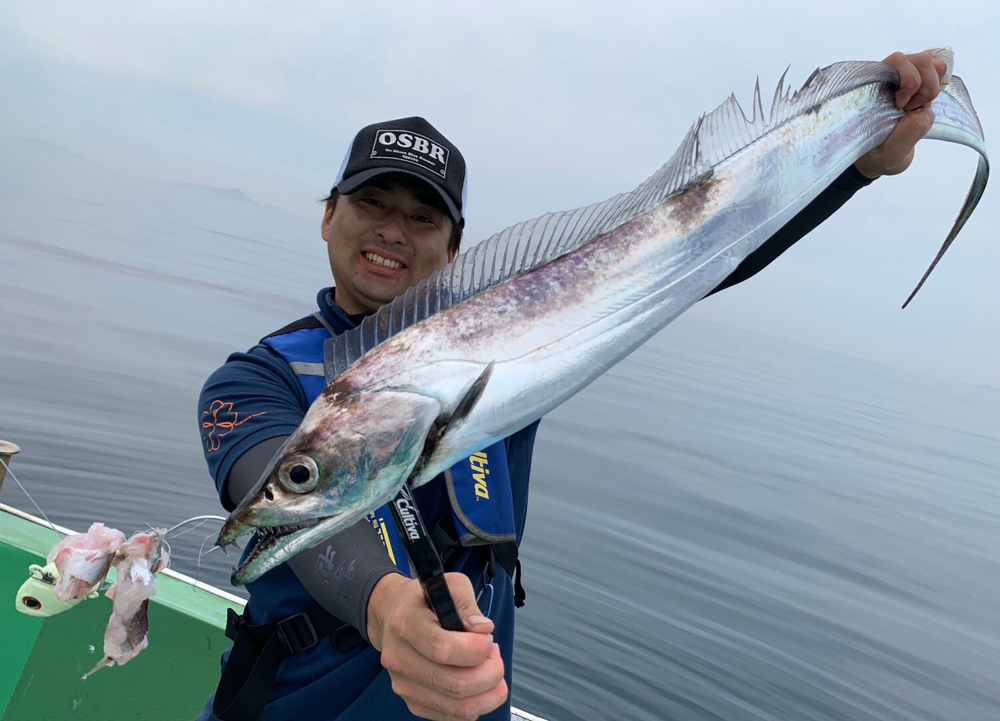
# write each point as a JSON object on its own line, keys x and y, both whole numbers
{"x": 381, "y": 260}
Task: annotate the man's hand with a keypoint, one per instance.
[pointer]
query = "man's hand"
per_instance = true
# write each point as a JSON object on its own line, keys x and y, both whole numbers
{"x": 919, "y": 83}
{"x": 440, "y": 674}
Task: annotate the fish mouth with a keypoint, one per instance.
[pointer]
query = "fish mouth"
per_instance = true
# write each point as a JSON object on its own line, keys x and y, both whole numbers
{"x": 276, "y": 544}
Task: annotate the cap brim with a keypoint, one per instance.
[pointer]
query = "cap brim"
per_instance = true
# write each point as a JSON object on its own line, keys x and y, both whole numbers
{"x": 358, "y": 180}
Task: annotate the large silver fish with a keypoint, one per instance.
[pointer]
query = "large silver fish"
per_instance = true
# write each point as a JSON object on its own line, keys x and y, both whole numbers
{"x": 526, "y": 319}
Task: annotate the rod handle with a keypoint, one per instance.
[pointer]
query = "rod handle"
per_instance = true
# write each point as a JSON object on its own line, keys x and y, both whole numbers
{"x": 424, "y": 559}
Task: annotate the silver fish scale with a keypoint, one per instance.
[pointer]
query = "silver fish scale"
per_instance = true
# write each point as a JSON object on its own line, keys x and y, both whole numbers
{"x": 529, "y": 245}
{"x": 570, "y": 294}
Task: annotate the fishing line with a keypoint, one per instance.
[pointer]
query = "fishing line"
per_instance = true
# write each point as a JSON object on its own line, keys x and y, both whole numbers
{"x": 202, "y": 552}
{"x": 201, "y": 520}
{"x": 186, "y": 521}
{"x": 37, "y": 507}
{"x": 199, "y": 524}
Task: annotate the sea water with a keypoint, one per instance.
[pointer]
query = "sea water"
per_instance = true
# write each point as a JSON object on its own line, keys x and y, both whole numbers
{"x": 724, "y": 526}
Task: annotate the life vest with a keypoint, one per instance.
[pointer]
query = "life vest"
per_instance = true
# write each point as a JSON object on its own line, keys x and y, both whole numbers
{"x": 482, "y": 508}
{"x": 481, "y": 505}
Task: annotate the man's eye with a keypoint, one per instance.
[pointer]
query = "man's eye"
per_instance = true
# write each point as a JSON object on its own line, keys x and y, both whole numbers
{"x": 371, "y": 201}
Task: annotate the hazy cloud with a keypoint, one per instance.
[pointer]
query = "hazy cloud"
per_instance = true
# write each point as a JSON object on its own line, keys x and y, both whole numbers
{"x": 554, "y": 104}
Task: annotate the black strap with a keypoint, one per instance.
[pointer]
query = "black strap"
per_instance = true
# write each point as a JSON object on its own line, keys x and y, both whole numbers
{"x": 248, "y": 678}
{"x": 307, "y": 322}
{"x": 444, "y": 541}
{"x": 519, "y": 594}
{"x": 504, "y": 553}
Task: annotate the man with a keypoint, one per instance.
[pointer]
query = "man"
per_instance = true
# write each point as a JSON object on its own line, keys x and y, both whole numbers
{"x": 394, "y": 216}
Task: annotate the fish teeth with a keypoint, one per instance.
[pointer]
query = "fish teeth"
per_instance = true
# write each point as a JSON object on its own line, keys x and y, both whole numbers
{"x": 273, "y": 530}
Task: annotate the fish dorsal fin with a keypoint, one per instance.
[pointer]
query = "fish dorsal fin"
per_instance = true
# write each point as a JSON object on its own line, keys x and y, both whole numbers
{"x": 531, "y": 244}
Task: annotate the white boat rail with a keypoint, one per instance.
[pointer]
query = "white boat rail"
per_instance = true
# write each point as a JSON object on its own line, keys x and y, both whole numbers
{"x": 515, "y": 713}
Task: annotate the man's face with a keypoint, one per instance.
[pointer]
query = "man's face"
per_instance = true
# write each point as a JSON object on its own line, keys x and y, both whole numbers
{"x": 383, "y": 238}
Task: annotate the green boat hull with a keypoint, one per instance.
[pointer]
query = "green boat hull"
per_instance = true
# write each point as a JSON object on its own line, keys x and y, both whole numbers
{"x": 44, "y": 659}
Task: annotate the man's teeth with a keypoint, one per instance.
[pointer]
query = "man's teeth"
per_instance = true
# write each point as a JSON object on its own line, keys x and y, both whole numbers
{"x": 383, "y": 261}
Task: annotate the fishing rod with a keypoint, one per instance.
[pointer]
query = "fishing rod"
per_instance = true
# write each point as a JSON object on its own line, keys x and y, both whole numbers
{"x": 424, "y": 559}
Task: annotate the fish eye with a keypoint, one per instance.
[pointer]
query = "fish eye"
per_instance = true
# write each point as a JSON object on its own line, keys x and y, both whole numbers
{"x": 299, "y": 473}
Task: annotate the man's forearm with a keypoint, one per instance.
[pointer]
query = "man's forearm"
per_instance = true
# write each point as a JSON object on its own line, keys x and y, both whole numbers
{"x": 340, "y": 572}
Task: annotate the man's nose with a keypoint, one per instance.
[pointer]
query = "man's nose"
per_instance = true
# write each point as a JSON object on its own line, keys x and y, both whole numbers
{"x": 392, "y": 228}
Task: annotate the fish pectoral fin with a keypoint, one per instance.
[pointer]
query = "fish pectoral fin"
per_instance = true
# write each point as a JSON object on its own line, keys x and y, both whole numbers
{"x": 468, "y": 401}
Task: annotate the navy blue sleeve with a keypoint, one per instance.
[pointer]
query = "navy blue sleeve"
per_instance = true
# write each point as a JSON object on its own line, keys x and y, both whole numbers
{"x": 822, "y": 207}
{"x": 254, "y": 396}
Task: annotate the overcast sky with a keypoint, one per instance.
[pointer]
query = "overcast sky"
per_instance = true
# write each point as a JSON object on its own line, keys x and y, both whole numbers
{"x": 553, "y": 105}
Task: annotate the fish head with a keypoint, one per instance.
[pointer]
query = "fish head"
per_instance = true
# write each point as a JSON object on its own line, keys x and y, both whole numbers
{"x": 351, "y": 453}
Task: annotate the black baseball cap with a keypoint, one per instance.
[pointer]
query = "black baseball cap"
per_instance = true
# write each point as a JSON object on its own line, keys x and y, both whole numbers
{"x": 410, "y": 146}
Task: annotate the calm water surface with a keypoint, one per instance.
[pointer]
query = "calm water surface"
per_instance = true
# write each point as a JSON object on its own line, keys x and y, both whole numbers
{"x": 725, "y": 526}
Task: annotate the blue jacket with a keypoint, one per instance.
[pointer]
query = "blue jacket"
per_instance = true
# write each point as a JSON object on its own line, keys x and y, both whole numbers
{"x": 256, "y": 396}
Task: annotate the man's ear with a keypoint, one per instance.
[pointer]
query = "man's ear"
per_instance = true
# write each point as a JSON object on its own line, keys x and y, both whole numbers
{"x": 452, "y": 252}
{"x": 324, "y": 229}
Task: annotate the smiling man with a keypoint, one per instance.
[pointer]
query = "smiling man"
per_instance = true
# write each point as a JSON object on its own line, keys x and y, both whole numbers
{"x": 341, "y": 631}
{"x": 374, "y": 270}
{"x": 394, "y": 216}
{"x": 402, "y": 218}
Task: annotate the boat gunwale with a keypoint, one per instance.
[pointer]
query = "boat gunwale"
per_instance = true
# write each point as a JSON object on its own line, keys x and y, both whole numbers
{"x": 184, "y": 578}
{"x": 516, "y": 714}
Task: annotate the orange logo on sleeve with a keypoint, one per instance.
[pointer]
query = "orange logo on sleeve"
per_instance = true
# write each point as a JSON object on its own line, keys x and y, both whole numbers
{"x": 219, "y": 421}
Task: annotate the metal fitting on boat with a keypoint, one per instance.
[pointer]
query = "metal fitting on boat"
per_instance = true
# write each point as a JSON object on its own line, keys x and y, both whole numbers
{"x": 7, "y": 450}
